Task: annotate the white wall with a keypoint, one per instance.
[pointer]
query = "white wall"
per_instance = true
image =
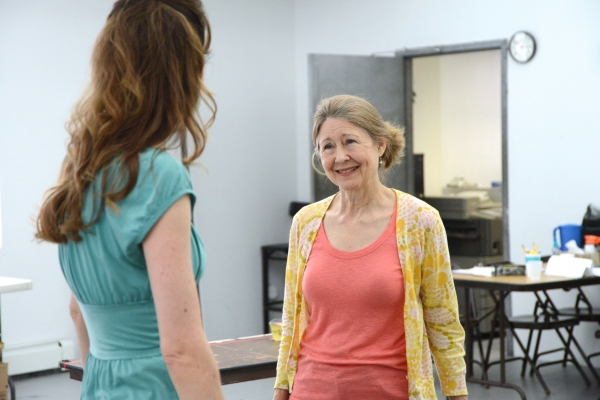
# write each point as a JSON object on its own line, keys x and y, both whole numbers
{"x": 251, "y": 179}
{"x": 553, "y": 100}
{"x": 45, "y": 47}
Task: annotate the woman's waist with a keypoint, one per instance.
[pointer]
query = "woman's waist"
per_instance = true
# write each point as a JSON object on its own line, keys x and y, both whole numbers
{"x": 365, "y": 339}
{"x": 118, "y": 331}
{"x": 387, "y": 355}
{"x": 326, "y": 381}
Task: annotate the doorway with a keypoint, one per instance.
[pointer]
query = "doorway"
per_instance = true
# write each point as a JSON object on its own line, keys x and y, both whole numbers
{"x": 457, "y": 121}
{"x": 463, "y": 88}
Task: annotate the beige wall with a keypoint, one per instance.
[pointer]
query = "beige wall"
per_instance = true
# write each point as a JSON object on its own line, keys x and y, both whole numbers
{"x": 427, "y": 124}
{"x": 457, "y": 115}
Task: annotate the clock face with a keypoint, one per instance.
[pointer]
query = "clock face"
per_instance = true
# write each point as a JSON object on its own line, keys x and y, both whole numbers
{"x": 522, "y": 47}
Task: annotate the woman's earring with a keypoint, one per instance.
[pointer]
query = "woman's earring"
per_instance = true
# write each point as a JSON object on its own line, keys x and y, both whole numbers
{"x": 380, "y": 161}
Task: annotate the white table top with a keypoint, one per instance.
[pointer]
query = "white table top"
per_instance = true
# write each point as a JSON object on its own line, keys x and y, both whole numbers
{"x": 8, "y": 285}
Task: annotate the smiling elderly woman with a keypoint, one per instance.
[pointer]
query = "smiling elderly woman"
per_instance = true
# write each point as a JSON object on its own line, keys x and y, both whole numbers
{"x": 369, "y": 296}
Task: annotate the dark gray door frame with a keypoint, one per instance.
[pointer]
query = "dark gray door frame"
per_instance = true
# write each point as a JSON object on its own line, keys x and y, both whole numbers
{"x": 408, "y": 54}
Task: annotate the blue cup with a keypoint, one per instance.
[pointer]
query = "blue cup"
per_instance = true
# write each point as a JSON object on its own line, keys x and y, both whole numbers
{"x": 566, "y": 233}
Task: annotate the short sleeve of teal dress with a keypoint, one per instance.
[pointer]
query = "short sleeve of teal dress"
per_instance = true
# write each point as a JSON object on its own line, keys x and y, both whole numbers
{"x": 107, "y": 273}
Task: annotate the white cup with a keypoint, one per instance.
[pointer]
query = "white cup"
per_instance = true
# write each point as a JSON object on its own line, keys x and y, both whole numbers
{"x": 533, "y": 269}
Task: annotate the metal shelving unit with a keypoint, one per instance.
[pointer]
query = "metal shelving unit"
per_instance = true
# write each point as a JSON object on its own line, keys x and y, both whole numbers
{"x": 269, "y": 253}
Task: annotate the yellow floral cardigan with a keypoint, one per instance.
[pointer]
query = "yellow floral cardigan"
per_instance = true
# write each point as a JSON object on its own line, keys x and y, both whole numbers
{"x": 430, "y": 312}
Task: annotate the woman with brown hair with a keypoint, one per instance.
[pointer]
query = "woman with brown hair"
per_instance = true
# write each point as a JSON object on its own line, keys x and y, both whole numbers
{"x": 121, "y": 210}
{"x": 369, "y": 296}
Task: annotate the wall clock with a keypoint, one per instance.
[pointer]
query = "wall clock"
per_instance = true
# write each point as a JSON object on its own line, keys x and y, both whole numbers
{"x": 522, "y": 46}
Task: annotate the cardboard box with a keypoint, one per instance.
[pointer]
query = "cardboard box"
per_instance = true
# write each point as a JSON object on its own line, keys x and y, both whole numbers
{"x": 3, "y": 381}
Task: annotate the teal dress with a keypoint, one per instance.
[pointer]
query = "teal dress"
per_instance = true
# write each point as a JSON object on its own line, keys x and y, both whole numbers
{"x": 107, "y": 273}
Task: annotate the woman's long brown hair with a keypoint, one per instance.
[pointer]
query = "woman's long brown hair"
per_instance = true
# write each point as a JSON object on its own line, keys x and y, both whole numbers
{"x": 144, "y": 92}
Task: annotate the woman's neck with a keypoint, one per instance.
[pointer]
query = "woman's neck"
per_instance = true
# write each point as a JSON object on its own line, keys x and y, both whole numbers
{"x": 364, "y": 201}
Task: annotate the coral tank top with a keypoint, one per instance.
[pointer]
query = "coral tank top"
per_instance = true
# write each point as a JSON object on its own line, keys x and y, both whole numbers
{"x": 354, "y": 346}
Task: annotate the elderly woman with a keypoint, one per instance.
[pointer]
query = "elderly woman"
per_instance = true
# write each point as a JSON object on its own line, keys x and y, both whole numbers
{"x": 369, "y": 294}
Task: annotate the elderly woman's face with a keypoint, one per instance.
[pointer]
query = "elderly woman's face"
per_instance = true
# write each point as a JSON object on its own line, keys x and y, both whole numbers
{"x": 349, "y": 156}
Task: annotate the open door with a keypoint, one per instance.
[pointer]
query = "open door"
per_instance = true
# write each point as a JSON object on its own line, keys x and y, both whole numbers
{"x": 379, "y": 80}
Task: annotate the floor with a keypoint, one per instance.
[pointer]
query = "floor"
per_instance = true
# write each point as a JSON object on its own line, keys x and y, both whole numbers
{"x": 565, "y": 383}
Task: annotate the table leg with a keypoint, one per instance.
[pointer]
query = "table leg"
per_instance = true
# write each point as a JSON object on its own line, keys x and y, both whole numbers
{"x": 11, "y": 383}
{"x": 265, "y": 289}
{"x": 502, "y": 339}
{"x": 468, "y": 335}
{"x": 11, "y": 387}
{"x": 502, "y": 326}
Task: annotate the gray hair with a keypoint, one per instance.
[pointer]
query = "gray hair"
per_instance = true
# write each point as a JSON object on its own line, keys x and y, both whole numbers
{"x": 361, "y": 113}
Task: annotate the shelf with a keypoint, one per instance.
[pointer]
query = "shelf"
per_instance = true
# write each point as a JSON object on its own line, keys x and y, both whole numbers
{"x": 275, "y": 306}
{"x": 269, "y": 253}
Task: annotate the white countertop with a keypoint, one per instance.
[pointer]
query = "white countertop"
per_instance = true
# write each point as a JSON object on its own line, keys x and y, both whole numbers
{"x": 8, "y": 285}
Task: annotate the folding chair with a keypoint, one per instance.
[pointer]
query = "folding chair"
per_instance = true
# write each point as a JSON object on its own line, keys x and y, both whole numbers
{"x": 584, "y": 311}
{"x": 545, "y": 318}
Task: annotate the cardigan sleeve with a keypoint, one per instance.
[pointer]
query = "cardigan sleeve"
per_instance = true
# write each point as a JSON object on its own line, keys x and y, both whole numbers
{"x": 289, "y": 309}
{"x": 440, "y": 311}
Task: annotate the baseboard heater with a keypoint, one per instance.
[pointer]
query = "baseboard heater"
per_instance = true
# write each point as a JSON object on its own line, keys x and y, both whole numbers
{"x": 38, "y": 356}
